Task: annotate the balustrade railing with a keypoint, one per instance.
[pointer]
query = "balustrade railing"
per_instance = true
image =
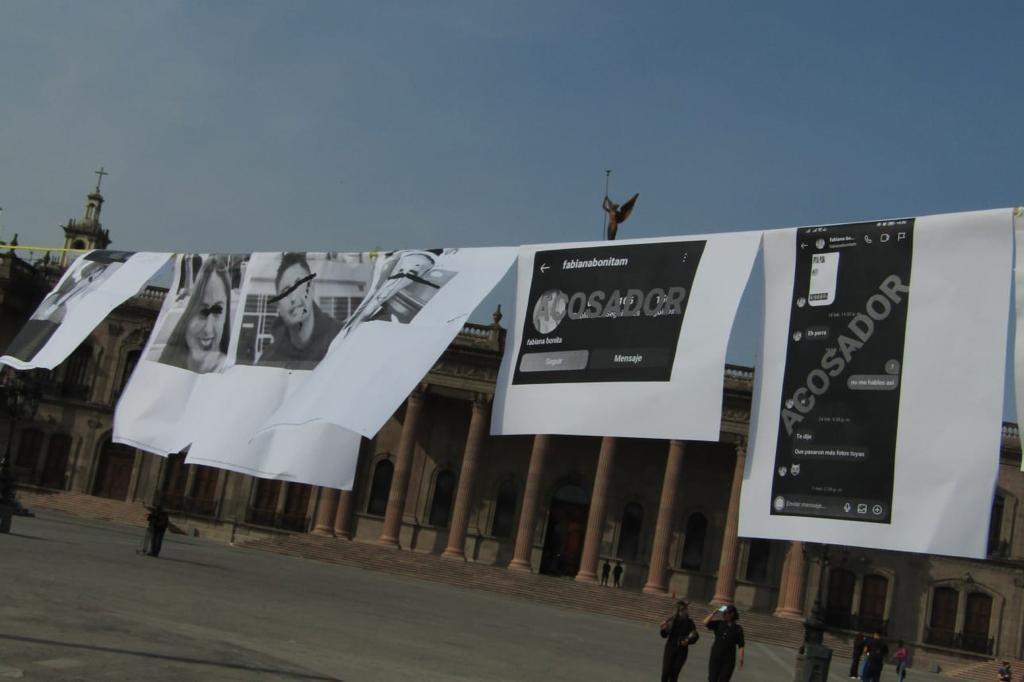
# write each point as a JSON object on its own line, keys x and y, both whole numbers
{"x": 977, "y": 643}
{"x": 298, "y": 523}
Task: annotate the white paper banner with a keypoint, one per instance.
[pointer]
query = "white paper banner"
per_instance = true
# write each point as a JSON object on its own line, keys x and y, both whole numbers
{"x": 1018, "y": 344}
{"x": 316, "y": 453}
{"x": 95, "y": 284}
{"x": 310, "y": 346}
{"x": 622, "y": 338}
{"x": 186, "y": 351}
{"x": 879, "y": 393}
{"x": 418, "y": 302}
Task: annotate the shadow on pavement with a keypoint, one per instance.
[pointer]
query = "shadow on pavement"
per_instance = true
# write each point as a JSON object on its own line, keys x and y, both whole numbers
{"x": 29, "y": 537}
{"x": 165, "y": 657}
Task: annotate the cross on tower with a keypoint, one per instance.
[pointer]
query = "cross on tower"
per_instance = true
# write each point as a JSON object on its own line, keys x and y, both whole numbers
{"x": 100, "y": 173}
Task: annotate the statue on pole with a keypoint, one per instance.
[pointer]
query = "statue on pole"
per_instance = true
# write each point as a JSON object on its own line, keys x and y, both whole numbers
{"x": 617, "y": 213}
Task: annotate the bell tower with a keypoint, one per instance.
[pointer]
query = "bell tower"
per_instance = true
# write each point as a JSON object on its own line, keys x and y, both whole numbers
{"x": 87, "y": 232}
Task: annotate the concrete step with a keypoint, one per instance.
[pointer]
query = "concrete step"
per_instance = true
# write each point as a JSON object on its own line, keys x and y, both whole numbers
{"x": 981, "y": 671}
{"x": 557, "y": 591}
{"x": 86, "y": 506}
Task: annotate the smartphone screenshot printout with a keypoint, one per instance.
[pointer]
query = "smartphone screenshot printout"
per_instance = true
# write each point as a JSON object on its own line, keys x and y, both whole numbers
{"x": 835, "y": 455}
{"x": 606, "y": 313}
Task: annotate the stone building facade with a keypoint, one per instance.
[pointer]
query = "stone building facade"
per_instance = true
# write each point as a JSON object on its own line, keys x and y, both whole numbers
{"x": 434, "y": 481}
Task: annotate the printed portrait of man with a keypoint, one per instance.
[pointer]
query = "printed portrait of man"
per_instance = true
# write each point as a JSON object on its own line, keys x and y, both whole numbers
{"x": 303, "y": 331}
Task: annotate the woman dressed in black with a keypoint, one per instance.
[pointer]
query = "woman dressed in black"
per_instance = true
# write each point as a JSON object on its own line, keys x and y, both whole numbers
{"x": 728, "y": 639}
{"x": 679, "y": 633}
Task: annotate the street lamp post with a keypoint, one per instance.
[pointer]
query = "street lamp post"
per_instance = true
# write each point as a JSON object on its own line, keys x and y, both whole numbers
{"x": 19, "y": 397}
{"x": 813, "y": 658}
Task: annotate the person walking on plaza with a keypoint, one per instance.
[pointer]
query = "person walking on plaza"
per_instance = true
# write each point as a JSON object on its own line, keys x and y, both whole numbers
{"x": 679, "y": 633}
{"x": 875, "y": 651}
{"x": 617, "y": 574}
{"x": 605, "y": 570}
{"x": 728, "y": 640}
{"x": 900, "y": 659}
{"x": 157, "y": 522}
{"x": 1005, "y": 673}
{"x": 858, "y": 648}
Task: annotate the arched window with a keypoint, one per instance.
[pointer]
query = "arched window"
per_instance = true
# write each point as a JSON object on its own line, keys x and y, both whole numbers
{"x": 29, "y": 448}
{"x": 976, "y": 622}
{"x": 380, "y": 488}
{"x": 441, "y": 505}
{"x": 56, "y": 461}
{"x": 629, "y": 531}
{"x": 942, "y": 624}
{"x": 995, "y": 527}
{"x": 77, "y": 373}
{"x": 840, "y": 598}
{"x": 693, "y": 546}
{"x": 758, "y": 553}
{"x": 130, "y": 362}
{"x": 872, "y": 603}
{"x": 504, "y": 510}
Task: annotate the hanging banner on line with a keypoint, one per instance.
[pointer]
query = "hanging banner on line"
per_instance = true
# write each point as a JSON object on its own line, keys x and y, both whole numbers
{"x": 881, "y": 377}
{"x": 622, "y": 338}
{"x": 187, "y": 349}
{"x": 306, "y": 353}
{"x": 92, "y": 286}
{"x": 1018, "y": 346}
{"x": 416, "y": 302}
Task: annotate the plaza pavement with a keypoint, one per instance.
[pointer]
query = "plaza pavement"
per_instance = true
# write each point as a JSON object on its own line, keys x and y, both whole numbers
{"x": 78, "y": 603}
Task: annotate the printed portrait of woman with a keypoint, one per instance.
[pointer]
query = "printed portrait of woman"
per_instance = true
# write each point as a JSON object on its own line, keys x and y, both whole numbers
{"x": 199, "y": 342}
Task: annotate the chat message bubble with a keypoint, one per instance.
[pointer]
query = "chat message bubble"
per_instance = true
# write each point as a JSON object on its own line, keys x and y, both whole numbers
{"x": 817, "y": 333}
{"x": 873, "y": 382}
{"x": 832, "y": 453}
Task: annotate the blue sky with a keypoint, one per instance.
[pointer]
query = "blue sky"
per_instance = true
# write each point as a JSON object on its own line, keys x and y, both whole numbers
{"x": 235, "y": 125}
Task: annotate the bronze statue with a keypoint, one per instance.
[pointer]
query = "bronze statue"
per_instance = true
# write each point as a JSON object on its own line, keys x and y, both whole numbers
{"x": 617, "y": 214}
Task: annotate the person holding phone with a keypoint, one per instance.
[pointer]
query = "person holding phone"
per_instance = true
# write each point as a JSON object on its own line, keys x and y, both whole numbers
{"x": 679, "y": 633}
{"x": 728, "y": 640}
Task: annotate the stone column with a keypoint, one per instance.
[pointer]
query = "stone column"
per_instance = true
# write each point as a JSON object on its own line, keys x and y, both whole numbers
{"x": 725, "y": 585}
{"x": 783, "y": 587}
{"x": 282, "y": 498}
{"x": 793, "y": 583}
{"x": 325, "y": 511}
{"x": 657, "y": 582}
{"x": 343, "y": 515}
{"x": 456, "y": 548}
{"x": 531, "y": 499}
{"x": 403, "y": 465}
{"x": 598, "y": 511}
{"x": 190, "y": 477}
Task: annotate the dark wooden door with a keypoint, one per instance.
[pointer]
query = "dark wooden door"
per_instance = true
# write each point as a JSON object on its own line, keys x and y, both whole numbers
{"x": 576, "y": 528}
{"x": 114, "y": 473}
{"x": 942, "y": 624}
{"x": 56, "y": 462}
{"x": 563, "y": 542}
{"x": 203, "y": 496}
{"x": 976, "y": 623}
{"x": 840, "y": 598}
